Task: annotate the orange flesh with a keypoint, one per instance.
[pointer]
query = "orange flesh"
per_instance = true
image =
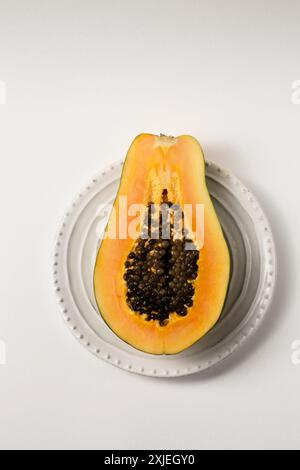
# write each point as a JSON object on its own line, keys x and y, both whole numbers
{"x": 153, "y": 164}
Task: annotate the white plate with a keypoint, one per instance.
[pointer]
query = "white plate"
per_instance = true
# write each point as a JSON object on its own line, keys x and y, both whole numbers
{"x": 251, "y": 287}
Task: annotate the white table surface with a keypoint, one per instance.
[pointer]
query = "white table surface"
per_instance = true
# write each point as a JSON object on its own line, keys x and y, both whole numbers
{"x": 82, "y": 79}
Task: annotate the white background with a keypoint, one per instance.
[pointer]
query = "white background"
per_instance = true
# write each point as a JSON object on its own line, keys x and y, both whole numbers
{"x": 83, "y": 78}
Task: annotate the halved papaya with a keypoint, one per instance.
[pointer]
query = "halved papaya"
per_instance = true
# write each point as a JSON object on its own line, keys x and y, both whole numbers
{"x": 162, "y": 287}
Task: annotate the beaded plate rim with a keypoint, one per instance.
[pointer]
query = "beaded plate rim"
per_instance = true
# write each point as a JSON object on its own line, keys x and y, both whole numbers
{"x": 246, "y": 330}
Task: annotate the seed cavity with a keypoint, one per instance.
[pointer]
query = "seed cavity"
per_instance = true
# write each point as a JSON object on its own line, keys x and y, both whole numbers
{"x": 161, "y": 268}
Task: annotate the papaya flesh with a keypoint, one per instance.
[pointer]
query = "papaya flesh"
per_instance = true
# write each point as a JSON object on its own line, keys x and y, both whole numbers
{"x": 164, "y": 288}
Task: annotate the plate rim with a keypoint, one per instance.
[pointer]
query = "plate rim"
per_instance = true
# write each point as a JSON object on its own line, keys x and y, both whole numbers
{"x": 244, "y": 332}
